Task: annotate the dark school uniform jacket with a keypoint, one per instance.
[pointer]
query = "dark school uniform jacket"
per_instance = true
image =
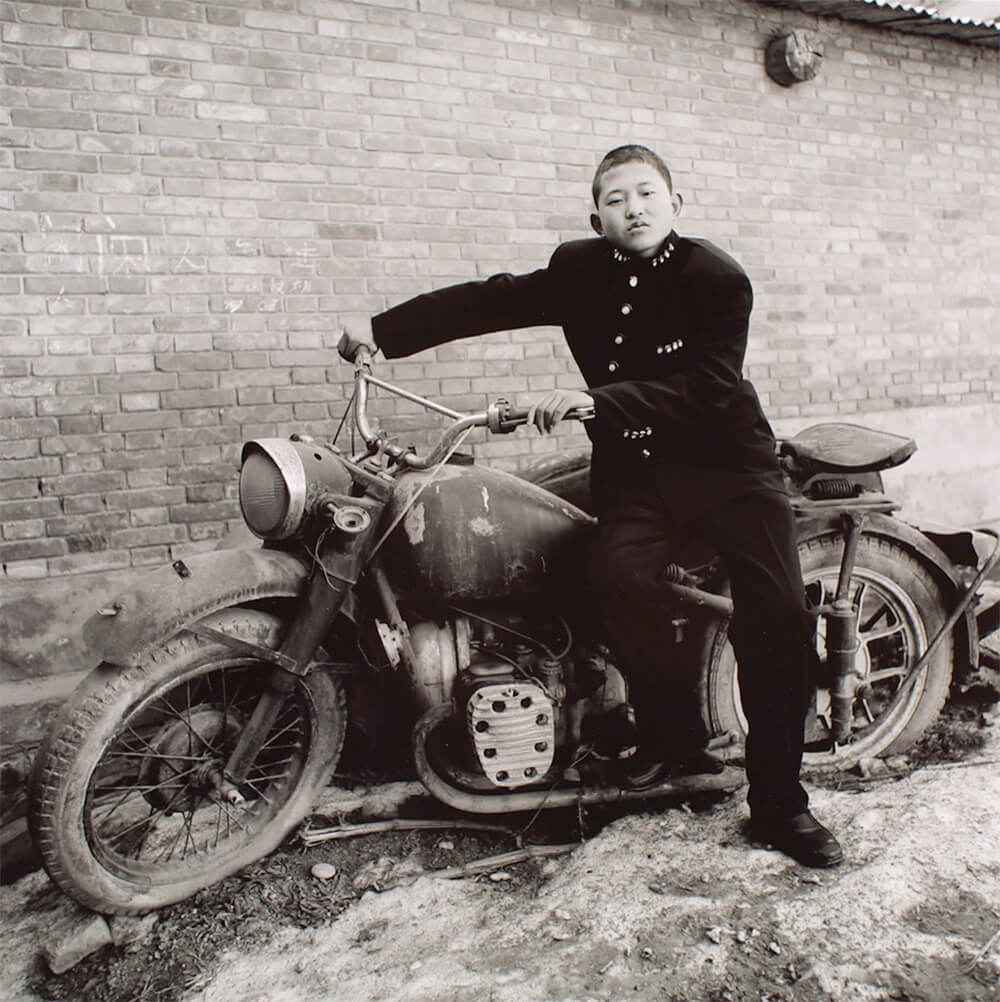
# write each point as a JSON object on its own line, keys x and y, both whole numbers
{"x": 660, "y": 343}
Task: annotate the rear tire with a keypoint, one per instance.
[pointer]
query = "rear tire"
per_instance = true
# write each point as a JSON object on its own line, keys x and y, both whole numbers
{"x": 901, "y": 611}
{"x": 127, "y": 808}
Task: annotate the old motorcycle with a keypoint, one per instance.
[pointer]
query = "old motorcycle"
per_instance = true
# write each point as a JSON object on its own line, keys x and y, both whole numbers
{"x": 436, "y": 603}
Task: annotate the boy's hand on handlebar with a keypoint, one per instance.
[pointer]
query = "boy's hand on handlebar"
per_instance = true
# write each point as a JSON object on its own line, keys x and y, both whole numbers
{"x": 349, "y": 346}
{"x": 546, "y": 413}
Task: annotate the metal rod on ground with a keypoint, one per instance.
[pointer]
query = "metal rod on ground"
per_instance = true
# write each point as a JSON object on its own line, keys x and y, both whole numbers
{"x": 504, "y": 859}
{"x": 317, "y": 835}
{"x": 982, "y": 953}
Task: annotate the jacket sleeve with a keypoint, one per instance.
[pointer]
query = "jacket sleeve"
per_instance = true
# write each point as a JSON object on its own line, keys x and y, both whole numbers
{"x": 703, "y": 388}
{"x": 503, "y": 302}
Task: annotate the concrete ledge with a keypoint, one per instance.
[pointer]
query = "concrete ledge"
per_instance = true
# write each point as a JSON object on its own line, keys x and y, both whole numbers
{"x": 42, "y": 655}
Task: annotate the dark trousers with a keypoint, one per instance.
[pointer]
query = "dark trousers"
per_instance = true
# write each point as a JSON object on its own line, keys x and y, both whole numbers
{"x": 771, "y": 629}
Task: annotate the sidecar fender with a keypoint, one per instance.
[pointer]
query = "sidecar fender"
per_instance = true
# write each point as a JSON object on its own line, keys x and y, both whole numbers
{"x": 169, "y": 598}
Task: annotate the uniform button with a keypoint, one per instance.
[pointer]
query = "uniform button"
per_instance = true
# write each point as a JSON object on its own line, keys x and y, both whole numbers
{"x": 646, "y": 453}
{"x": 633, "y": 281}
{"x": 612, "y": 366}
{"x": 619, "y": 338}
{"x": 626, "y": 309}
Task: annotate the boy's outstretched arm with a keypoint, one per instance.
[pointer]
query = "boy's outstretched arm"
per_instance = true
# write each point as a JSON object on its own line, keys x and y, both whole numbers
{"x": 503, "y": 302}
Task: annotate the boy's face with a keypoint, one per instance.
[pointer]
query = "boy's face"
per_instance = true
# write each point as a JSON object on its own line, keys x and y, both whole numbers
{"x": 635, "y": 208}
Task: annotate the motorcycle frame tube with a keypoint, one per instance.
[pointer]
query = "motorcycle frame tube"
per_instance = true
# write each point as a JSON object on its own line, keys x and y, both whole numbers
{"x": 339, "y": 560}
{"x": 728, "y": 780}
{"x": 163, "y": 602}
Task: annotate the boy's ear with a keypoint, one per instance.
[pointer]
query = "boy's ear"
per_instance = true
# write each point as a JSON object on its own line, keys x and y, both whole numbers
{"x": 678, "y": 200}
{"x": 596, "y": 225}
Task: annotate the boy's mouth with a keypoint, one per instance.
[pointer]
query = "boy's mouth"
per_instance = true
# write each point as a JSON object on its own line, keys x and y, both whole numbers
{"x": 637, "y": 226}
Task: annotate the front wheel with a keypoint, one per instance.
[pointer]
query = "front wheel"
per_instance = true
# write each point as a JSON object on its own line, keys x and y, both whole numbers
{"x": 900, "y": 610}
{"x": 128, "y": 806}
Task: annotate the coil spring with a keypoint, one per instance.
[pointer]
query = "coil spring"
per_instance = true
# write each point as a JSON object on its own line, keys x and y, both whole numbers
{"x": 833, "y": 487}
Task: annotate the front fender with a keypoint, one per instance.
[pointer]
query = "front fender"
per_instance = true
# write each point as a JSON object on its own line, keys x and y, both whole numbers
{"x": 169, "y": 598}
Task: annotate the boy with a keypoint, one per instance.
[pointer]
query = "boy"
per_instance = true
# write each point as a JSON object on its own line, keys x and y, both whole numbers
{"x": 657, "y": 324}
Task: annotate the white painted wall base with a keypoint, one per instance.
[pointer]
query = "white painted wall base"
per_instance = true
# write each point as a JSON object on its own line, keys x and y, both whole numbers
{"x": 954, "y": 476}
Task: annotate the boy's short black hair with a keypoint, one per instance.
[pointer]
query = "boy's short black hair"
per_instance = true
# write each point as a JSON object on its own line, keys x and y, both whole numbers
{"x": 629, "y": 154}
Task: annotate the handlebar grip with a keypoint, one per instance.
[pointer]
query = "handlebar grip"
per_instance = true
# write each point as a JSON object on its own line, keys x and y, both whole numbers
{"x": 349, "y": 346}
{"x": 502, "y": 418}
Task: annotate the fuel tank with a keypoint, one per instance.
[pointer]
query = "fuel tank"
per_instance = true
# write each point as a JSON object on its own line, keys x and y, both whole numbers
{"x": 465, "y": 532}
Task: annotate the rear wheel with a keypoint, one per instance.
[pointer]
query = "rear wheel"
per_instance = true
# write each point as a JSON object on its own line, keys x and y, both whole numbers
{"x": 900, "y": 609}
{"x": 129, "y": 808}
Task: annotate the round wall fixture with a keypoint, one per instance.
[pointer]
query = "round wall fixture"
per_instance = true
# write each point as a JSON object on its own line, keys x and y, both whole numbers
{"x": 792, "y": 58}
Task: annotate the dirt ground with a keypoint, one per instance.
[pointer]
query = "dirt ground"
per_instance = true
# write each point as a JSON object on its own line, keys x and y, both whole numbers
{"x": 667, "y": 904}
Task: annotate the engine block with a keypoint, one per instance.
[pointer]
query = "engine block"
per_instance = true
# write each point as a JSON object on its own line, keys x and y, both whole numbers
{"x": 512, "y": 726}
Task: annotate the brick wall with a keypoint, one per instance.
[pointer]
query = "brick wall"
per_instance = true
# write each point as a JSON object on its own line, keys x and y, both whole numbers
{"x": 198, "y": 195}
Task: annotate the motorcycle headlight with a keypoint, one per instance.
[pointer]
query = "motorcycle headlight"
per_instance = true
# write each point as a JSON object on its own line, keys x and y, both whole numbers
{"x": 272, "y": 488}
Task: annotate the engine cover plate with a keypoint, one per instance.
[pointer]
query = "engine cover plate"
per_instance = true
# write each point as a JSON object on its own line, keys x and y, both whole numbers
{"x": 512, "y": 726}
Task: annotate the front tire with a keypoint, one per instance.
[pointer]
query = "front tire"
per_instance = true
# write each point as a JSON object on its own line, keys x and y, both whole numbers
{"x": 900, "y": 612}
{"x": 127, "y": 806}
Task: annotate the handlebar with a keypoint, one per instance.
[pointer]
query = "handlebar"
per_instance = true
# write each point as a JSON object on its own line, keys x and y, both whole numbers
{"x": 500, "y": 417}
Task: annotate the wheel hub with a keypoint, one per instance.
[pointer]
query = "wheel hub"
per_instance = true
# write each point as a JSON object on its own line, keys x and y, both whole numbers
{"x": 184, "y": 762}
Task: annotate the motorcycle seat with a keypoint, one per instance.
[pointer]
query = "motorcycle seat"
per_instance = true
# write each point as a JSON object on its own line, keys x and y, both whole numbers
{"x": 843, "y": 447}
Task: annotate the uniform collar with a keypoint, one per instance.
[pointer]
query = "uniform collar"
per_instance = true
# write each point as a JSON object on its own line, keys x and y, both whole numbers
{"x": 667, "y": 249}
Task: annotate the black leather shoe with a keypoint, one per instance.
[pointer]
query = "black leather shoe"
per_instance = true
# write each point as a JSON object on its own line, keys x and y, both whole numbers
{"x": 643, "y": 773}
{"x": 701, "y": 763}
{"x": 802, "y": 837}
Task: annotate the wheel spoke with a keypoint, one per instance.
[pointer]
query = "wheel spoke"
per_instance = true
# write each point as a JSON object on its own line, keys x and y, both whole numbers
{"x": 869, "y": 636}
{"x": 142, "y": 741}
{"x": 882, "y": 611}
{"x": 188, "y": 834}
{"x": 885, "y": 674}
{"x": 859, "y": 596}
{"x": 192, "y": 732}
{"x": 145, "y": 822}
{"x": 260, "y": 776}
{"x": 121, "y": 801}
{"x": 168, "y": 851}
{"x": 130, "y": 792}
{"x": 230, "y": 816}
{"x": 153, "y": 753}
{"x": 258, "y": 791}
{"x": 290, "y": 726}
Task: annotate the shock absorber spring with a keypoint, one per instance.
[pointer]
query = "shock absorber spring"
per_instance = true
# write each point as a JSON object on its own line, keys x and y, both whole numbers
{"x": 831, "y": 488}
